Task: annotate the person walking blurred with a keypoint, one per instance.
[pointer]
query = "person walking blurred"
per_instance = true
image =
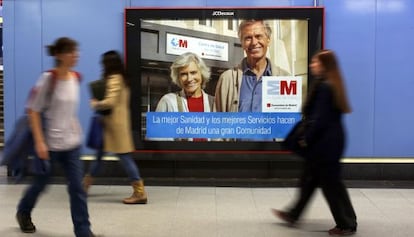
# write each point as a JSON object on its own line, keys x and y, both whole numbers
{"x": 52, "y": 110}
{"x": 324, "y": 142}
{"x": 117, "y": 126}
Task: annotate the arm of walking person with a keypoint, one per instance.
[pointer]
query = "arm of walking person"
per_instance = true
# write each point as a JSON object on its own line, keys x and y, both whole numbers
{"x": 113, "y": 88}
{"x": 35, "y": 120}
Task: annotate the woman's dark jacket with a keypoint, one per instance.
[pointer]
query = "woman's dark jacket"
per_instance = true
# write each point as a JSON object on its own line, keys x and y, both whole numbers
{"x": 324, "y": 133}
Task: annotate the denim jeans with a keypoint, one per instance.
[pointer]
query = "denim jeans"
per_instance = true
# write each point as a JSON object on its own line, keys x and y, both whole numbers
{"x": 127, "y": 162}
{"x": 73, "y": 169}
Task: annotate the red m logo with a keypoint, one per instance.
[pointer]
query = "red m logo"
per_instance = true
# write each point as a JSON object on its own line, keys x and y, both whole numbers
{"x": 182, "y": 43}
{"x": 288, "y": 89}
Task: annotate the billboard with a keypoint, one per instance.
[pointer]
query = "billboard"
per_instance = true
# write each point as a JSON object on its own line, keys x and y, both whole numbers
{"x": 244, "y": 88}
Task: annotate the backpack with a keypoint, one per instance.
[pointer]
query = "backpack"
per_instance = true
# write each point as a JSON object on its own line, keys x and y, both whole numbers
{"x": 20, "y": 145}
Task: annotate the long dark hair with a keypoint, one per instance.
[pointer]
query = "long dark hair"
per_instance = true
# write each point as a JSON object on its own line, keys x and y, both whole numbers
{"x": 112, "y": 64}
{"x": 332, "y": 75}
{"x": 61, "y": 45}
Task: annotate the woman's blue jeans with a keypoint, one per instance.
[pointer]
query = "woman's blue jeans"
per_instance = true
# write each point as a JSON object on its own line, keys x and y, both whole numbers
{"x": 127, "y": 162}
{"x": 73, "y": 170}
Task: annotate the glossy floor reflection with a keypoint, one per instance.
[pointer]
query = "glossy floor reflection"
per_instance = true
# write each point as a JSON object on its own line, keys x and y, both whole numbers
{"x": 180, "y": 211}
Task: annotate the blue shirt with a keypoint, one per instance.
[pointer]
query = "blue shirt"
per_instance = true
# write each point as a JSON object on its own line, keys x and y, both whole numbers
{"x": 251, "y": 89}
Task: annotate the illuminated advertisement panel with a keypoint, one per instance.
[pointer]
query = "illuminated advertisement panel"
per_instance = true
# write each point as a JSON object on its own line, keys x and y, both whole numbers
{"x": 218, "y": 79}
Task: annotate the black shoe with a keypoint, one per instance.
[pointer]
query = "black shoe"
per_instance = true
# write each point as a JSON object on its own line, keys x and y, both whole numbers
{"x": 342, "y": 232}
{"x": 284, "y": 216}
{"x": 25, "y": 222}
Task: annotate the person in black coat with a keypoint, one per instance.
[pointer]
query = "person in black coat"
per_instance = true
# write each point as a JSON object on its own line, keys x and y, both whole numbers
{"x": 324, "y": 142}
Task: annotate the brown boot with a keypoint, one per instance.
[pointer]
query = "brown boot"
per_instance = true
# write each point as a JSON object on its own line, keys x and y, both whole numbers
{"x": 139, "y": 196}
{"x": 87, "y": 182}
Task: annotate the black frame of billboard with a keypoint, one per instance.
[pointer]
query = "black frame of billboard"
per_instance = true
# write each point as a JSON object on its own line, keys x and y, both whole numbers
{"x": 132, "y": 50}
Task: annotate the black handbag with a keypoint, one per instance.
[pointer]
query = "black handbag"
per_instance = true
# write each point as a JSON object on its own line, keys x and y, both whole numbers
{"x": 97, "y": 89}
{"x": 295, "y": 135}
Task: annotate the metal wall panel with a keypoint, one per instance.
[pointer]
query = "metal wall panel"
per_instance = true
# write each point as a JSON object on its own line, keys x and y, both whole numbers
{"x": 394, "y": 79}
{"x": 350, "y": 32}
{"x": 98, "y": 27}
{"x": 22, "y": 55}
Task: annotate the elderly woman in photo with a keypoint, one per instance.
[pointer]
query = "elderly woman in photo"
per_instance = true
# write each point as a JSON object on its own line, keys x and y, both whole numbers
{"x": 191, "y": 74}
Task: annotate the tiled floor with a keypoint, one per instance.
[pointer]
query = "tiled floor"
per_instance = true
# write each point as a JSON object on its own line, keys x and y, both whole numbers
{"x": 207, "y": 212}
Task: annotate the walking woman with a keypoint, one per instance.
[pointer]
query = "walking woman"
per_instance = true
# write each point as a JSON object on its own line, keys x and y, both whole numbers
{"x": 117, "y": 126}
{"x": 55, "y": 101}
{"x": 324, "y": 141}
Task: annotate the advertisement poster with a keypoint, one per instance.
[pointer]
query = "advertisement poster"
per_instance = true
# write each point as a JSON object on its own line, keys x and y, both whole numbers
{"x": 229, "y": 112}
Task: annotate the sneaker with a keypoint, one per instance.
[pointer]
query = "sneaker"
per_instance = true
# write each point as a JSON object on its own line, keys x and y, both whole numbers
{"x": 284, "y": 216}
{"x": 25, "y": 222}
{"x": 342, "y": 232}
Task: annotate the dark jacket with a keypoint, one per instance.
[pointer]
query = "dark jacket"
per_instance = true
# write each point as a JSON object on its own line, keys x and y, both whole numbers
{"x": 324, "y": 134}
